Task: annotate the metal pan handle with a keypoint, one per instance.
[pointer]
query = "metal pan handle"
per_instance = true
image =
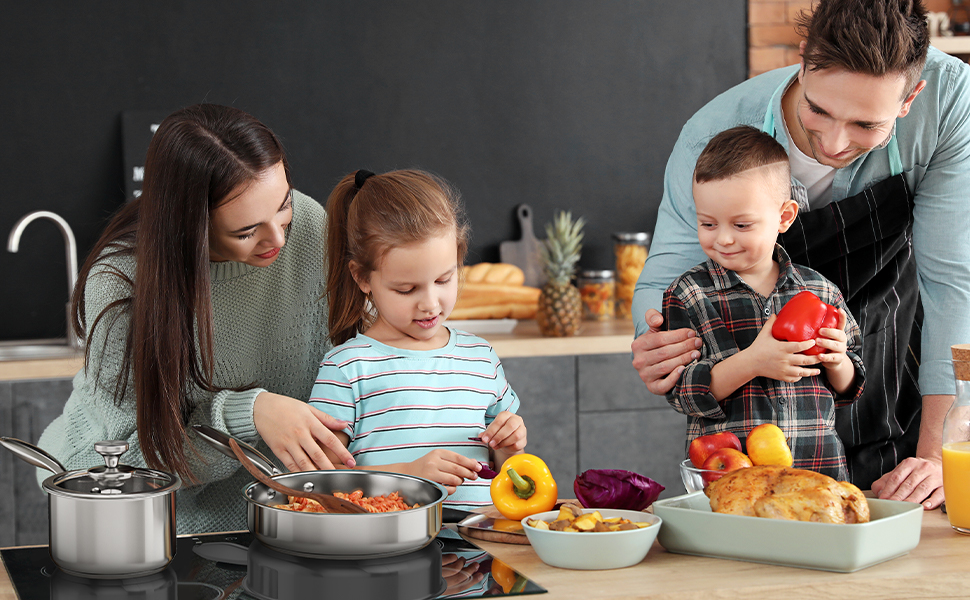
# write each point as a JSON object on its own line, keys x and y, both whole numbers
{"x": 220, "y": 441}
{"x": 32, "y": 454}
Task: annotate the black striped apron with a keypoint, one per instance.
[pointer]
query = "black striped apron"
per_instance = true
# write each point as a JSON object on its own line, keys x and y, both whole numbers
{"x": 864, "y": 244}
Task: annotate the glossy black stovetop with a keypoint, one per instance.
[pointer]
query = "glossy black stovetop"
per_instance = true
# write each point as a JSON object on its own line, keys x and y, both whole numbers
{"x": 229, "y": 566}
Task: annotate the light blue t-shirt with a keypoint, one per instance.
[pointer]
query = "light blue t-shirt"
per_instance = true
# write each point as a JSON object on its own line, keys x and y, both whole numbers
{"x": 402, "y": 404}
{"x": 934, "y": 145}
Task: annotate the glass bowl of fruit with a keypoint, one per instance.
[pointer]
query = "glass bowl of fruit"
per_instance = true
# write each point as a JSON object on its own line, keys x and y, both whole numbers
{"x": 696, "y": 479}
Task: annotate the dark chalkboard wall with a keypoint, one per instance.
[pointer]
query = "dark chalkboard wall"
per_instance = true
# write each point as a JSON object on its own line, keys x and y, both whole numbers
{"x": 557, "y": 103}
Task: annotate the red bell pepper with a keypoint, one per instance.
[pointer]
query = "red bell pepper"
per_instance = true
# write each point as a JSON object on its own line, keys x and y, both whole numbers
{"x": 801, "y": 318}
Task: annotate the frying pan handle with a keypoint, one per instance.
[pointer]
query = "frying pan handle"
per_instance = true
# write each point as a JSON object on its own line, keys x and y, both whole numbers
{"x": 32, "y": 454}
{"x": 220, "y": 441}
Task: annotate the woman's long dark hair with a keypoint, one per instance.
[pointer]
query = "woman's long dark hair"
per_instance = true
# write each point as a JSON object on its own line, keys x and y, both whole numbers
{"x": 198, "y": 156}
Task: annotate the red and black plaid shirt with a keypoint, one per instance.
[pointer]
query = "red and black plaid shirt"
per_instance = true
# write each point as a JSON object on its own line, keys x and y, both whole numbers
{"x": 728, "y": 315}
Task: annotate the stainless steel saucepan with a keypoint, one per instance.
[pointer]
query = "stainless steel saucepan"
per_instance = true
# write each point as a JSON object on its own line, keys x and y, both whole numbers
{"x": 337, "y": 536}
{"x": 109, "y": 521}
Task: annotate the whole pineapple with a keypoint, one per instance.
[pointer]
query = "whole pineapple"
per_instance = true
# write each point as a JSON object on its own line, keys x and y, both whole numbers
{"x": 560, "y": 308}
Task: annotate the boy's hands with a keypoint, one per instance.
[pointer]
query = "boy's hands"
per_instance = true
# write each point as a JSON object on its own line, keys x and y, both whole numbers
{"x": 835, "y": 343}
{"x": 446, "y": 467}
{"x": 507, "y": 432}
{"x": 780, "y": 360}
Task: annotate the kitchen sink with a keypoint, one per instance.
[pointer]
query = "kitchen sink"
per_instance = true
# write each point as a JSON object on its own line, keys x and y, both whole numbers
{"x": 37, "y": 349}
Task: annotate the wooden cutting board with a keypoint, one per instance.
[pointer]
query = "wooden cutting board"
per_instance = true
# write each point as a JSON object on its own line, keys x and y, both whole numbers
{"x": 524, "y": 253}
{"x": 497, "y": 536}
{"x": 493, "y": 536}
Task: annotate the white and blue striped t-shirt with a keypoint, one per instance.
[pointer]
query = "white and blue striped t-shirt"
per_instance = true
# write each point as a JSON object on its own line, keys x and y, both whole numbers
{"x": 402, "y": 404}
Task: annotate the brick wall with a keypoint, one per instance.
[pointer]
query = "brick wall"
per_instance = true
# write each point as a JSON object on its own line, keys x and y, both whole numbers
{"x": 772, "y": 41}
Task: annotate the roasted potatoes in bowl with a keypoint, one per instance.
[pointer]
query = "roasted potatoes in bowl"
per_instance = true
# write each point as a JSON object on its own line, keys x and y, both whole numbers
{"x": 591, "y": 538}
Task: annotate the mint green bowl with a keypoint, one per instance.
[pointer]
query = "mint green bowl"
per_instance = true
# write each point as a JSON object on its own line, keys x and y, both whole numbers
{"x": 593, "y": 551}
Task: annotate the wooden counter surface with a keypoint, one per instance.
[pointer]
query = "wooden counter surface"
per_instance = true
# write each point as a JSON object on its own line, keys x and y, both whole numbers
{"x": 936, "y": 568}
{"x": 595, "y": 337}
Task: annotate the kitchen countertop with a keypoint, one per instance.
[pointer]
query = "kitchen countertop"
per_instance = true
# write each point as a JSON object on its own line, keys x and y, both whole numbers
{"x": 936, "y": 568}
{"x": 595, "y": 337}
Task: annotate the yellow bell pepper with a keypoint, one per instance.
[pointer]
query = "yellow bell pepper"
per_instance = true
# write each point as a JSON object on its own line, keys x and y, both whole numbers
{"x": 524, "y": 486}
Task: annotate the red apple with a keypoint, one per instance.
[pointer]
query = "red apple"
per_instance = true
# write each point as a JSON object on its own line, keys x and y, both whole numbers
{"x": 724, "y": 461}
{"x": 703, "y": 446}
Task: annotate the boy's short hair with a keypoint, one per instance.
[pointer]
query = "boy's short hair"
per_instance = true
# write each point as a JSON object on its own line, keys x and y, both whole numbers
{"x": 871, "y": 37}
{"x": 737, "y": 150}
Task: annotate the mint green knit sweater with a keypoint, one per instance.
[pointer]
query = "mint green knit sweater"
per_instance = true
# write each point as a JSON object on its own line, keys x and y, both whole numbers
{"x": 270, "y": 328}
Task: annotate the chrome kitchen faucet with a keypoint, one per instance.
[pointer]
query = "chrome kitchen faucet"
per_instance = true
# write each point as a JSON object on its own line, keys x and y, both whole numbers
{"x": 70, "y": 247}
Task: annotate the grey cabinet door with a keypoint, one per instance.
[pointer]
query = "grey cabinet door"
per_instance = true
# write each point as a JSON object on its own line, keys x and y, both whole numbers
{"x": 26, "y": 408}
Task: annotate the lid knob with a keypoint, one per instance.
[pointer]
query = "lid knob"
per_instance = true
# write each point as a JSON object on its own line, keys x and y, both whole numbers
{"x": 111, "y": 450}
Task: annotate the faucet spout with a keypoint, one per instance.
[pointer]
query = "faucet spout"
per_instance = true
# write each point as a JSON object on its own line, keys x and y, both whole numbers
{"x": 70, "y": 248}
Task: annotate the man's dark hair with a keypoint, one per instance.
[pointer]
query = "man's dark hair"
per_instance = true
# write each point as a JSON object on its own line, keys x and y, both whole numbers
{"x": 871, "y": 37}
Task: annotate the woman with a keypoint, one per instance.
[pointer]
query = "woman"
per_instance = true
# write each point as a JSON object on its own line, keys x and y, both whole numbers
{"x": 202, "y": 303}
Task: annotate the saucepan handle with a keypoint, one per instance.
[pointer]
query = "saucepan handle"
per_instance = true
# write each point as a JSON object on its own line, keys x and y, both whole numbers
{"x": 220, "y": 441}
{"x": 32, "y": 454}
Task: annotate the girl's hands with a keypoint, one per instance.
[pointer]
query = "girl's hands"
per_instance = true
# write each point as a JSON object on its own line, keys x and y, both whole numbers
{"x": 294, "y": 431}
{"x": 446, "y": 467}
{"x": 506, "y": 432}
{"x": 835, "y": 343}
{"x": 780, "y": 360}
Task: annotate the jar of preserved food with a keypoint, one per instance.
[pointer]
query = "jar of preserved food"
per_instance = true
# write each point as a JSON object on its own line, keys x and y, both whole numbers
{"x": 597, "y": 289}
{"x": 631, "y": 253}
{"x": 956, "y": 444}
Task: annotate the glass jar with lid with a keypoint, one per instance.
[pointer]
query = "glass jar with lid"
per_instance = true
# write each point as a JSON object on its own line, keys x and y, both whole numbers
{"x": 597, "y": 289}
{"x": 956, "y": 444}
{"x": 631, "y": 251}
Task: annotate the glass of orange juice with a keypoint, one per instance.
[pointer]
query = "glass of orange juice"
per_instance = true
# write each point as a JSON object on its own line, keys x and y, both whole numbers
{"x": 956, "y": 444}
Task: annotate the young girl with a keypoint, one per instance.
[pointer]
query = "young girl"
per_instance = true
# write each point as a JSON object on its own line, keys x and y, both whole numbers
{"x": 418, "y": 396}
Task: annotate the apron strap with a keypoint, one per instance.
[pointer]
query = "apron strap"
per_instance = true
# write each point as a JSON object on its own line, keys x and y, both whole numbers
{"x": 895, "y": 162}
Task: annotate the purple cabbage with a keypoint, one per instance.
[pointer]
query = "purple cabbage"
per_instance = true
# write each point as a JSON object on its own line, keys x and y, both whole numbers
{"x": 615, "y": 488}
{"x": 486, "y": 472}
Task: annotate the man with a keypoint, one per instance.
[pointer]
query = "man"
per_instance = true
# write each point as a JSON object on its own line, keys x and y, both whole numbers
{"x": 877, "y": 128}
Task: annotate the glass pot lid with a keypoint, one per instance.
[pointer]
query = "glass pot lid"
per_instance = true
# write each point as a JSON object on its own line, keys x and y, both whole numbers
{"x": 112, "y": 479}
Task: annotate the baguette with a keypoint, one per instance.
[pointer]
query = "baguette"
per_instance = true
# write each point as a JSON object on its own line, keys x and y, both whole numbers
{"x": 493, "y": 273}
{"x": 496, "y": 311}
{"x": 490, "y": 294}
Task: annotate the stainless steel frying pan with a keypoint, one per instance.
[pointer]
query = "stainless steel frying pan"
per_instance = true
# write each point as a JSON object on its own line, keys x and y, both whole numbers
{"x": 336, "y": 536}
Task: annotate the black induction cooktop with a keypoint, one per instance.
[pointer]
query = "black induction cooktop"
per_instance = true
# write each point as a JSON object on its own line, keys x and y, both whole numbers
{"x": 235, "y": 565}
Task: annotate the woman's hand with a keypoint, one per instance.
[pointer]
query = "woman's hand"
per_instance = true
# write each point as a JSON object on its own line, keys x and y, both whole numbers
{"x": 446, "y": 467}
{"x": 294, "y": 431}
{"x": 507, "y": 432}
{"x": 659, "y": 356}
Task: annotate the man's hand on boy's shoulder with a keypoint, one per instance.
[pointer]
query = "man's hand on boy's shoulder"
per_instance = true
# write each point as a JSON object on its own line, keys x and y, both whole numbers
{"x": 659, "y": 356}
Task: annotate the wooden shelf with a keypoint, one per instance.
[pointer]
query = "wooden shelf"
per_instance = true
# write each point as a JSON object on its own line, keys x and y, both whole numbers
{"x": 956, "y": 44}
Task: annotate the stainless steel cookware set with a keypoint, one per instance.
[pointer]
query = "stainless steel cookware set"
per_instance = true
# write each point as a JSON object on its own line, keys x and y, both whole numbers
{"x": 110, "y": 520}
{"x": 114, "y": 520}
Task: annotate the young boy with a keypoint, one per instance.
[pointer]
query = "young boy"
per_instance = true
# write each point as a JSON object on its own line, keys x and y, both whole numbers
{"x": 744, "y": 376}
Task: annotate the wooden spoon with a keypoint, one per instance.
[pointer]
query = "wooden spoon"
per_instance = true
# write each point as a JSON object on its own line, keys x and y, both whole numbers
{"x": 331, "y": 504}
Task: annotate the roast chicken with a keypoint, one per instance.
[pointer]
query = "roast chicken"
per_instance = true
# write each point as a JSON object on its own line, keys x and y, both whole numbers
{"x": 786, "y": 493}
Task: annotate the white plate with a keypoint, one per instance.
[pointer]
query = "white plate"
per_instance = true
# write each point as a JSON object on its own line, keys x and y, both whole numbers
{"x": 691, "y": 528}
{"x": 484, "y": 325}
